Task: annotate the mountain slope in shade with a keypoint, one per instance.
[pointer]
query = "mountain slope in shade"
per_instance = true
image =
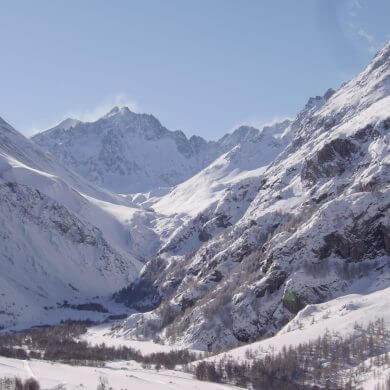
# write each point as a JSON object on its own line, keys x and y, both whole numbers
{"x": 318, "y": 227}
{"x": 49, "y": 255}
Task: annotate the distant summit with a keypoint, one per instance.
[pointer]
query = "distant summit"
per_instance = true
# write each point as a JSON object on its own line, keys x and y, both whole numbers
{"x": 68, "y": 124}
{"x": 128, "y": 152}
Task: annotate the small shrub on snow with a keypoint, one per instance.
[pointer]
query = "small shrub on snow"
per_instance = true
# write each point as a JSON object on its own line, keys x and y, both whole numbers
{"x": 18, "y": 384}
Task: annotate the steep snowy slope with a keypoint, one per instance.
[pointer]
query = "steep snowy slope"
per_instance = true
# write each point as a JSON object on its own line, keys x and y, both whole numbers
{"x": 23, "y": 160}
{"x": 249, "y": 151}
{"x": 319, "y": 225}
{"x": 127, "y": 152}
{"x": 61, "y": 238}
{"x": 218, "y": 196}
{"x": 48, "y": 255}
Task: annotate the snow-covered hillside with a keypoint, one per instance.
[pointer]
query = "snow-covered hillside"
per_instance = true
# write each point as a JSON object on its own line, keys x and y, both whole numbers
{"x": 249, "y": 152}
{"x": 341, "y": 317}
{"x": 61, "y": 238}
{"x": 315, "y": 226}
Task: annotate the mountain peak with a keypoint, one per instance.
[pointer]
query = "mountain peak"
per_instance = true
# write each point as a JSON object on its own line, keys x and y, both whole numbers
{"x": 276, "y": 128}
{"x": 381, "y": 57}
{"x": 117, "y": 110}
{"x": 68, "y": 123}
{"x": 3, "y": 122}
{"x": 246, "y": 131}
{"x": 241, "y": 134}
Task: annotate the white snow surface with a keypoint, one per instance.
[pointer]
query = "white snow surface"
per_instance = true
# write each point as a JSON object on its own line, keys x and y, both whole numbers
{"x": 104, "y": 333}
{"x": 119, "y": 375}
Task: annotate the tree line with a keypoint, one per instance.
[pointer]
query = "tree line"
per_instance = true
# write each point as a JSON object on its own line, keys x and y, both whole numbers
{"x": 321, "y": 363}
{"x": 61, "y": 343}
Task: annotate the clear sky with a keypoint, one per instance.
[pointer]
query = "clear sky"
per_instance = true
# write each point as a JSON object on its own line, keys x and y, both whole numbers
{"x": 202, "y": 66}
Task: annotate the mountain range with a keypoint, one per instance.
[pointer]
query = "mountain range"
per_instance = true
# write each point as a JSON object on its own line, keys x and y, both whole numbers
{"x": 204, "y": 244}
{"x": 126, "y": 152}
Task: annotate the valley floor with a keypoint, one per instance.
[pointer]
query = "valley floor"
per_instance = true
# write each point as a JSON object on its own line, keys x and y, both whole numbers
{"x": 127, "y": 375}
{"x": 341, "y": 317}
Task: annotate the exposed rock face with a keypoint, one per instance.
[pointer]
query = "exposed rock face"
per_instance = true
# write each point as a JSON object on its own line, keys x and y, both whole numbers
{"x": 329, "y": 161}
{"x": 316, "y": 226}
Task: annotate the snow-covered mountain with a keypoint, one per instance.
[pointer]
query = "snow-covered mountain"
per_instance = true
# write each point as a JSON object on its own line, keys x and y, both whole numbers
{"x": 222, "y": 176}
{"x": 60, "y": 237}
{"x": 127, "y": 152}
{"x": 314, "y": 225}
{"x": 65, "y": 239}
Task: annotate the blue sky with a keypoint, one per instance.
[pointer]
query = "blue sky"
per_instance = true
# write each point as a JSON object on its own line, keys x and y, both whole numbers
{"x": 202, "y": 66}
